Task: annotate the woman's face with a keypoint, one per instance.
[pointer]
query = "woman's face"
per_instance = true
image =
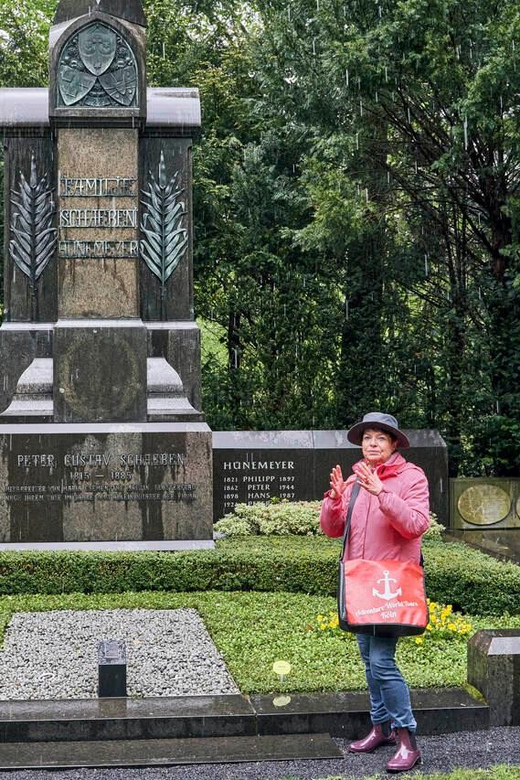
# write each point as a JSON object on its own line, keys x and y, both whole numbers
{"x": 377, "y": 446}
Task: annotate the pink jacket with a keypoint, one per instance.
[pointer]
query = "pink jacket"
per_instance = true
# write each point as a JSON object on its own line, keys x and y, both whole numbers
{"x": 389, "y": 525}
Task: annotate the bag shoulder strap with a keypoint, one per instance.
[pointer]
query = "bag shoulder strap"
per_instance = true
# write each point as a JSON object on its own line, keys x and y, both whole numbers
{"x": 353, "y": 496}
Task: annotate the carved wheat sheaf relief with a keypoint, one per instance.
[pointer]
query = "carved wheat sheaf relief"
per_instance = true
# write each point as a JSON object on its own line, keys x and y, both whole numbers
{"x": 165, "y": 239}
{"x": 33, "y": 235}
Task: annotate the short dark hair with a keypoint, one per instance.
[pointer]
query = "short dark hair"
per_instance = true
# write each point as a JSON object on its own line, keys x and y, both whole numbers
{"x": 381, "y": 430}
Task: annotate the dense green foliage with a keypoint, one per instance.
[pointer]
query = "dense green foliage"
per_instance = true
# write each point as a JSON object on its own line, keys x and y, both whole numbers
{"x": 356, "y": 207}
{"x": 469, "y": 580}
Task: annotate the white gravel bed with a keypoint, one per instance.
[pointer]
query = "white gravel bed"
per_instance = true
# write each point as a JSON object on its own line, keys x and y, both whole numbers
{"x": 54, "y": 655}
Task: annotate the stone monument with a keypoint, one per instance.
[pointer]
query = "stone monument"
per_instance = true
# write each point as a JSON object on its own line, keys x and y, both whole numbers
{"x": 494, "y": 670}
{"x": 257, "y": 466}
{"x": 102, "y": 441}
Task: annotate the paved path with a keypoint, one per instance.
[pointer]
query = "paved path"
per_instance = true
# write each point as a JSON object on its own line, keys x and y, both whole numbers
{"x": 477, "y": 749}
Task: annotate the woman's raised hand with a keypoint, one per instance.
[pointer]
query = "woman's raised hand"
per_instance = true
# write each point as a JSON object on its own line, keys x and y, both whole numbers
{"x": 368, "y": 479}
{"x": 337, "y": 485}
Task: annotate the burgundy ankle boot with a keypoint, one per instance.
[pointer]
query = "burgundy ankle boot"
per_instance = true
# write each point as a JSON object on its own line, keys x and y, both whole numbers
{"x": 381, "y": 734}
{"x": 407, "y": 755}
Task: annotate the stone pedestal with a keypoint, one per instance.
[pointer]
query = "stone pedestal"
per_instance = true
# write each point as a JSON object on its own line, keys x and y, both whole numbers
{"x": 494, "y": 670}
{"x": 99, "y": 371}
{"x": 102, "y": 440}
{"x": 105, "y": 483}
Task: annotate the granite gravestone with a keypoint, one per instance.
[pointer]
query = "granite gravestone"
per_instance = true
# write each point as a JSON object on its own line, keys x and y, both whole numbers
{"x": 494, "y": 670}
{"x": 250, "y": 467}
{"x": 102, "y": 441}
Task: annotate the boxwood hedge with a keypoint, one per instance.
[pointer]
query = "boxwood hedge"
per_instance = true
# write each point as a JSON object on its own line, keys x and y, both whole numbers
{"x": 455, "y": 574}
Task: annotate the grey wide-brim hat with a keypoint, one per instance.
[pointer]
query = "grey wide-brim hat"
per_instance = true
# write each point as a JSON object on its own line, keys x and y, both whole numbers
{"x": 385, "y": 422}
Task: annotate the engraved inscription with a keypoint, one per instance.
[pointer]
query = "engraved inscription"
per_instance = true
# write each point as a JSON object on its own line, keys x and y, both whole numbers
{"x": 81, "y": 250}
{"x": 71, "y": 246}
{"x": 112, "y": 187}
{"x": 98, "y": 218}
{"x": 251, "y": 481}
{"x": 87, "y": 476}
{"x": 185, "y": 492}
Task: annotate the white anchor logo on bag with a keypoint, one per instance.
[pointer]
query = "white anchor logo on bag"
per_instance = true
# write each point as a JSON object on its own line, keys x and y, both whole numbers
{"x": 387, "y": 593}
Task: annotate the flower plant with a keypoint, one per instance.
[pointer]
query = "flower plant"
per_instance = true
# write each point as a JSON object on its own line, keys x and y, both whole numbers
{"x": 443, "y": 624}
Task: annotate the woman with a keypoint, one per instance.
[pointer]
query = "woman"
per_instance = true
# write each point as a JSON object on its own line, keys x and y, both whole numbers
{"x": 390, "y": 514}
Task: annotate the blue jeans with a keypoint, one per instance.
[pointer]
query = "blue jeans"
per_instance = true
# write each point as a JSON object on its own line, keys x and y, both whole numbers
{"x": 389, "y": 694}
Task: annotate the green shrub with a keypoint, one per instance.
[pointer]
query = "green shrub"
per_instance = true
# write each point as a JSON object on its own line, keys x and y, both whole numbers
{"x": 473, "y": 582}
{"x": 436, "y": 529}
{"x": 284, "y": 518}
{"x": 278, "y": 518}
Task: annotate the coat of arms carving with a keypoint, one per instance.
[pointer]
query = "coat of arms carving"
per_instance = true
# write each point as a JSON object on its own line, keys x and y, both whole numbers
{"x": 98, "y": 69}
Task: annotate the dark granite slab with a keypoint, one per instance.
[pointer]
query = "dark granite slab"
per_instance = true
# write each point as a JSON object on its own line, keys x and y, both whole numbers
{"x": 346, "y": 714}
{"x": 149, "y": 482}
{"x": 340, "y": 714}
{"x": 255, "y": 466}
{"x": 120, "y": 719}
{"x": 162, "y": 752}
{"x": 494, "y": 670}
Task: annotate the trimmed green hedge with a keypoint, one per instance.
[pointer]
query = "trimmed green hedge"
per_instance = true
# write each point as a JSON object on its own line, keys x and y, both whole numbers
{"x": 470, "y": 580}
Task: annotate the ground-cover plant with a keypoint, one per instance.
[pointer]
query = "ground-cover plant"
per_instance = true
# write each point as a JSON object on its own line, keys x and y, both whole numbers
{"x": 499, "y": 772}
{"x": 443, "y": 624}
{"x": 253, "y": 630}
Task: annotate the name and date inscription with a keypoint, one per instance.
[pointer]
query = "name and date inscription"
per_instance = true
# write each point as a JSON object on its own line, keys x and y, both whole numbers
{"x": 252, "y": 480}
{"x": 81, "y": 476}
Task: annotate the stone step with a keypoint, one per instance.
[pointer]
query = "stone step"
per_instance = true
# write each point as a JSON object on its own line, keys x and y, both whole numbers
{"x": 340, "y": 714}
{"x": 166, "y": 752}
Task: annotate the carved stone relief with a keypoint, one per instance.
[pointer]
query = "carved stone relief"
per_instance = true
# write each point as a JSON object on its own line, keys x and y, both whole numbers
{"x": 165, "y": 239}
{"x": 33, "y": 234}
{"x": 97, "y": 68}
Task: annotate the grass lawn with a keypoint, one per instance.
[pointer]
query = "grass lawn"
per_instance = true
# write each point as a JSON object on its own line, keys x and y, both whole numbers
{"x": 495, "y": 773}
{"x": 252, "y": 630}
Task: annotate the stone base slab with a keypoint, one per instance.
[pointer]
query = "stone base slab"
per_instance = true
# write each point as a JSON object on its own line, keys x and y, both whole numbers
{"x": 164, "y": 546}
{"x": 344, "y": 715}
{"x": 168, "y": 752}
{"x": 103, "y": 483}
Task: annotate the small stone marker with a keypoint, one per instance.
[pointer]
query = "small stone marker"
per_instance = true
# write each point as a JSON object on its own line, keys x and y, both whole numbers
{"x": 112, "y": 668}
{"x": 494, "y": 670}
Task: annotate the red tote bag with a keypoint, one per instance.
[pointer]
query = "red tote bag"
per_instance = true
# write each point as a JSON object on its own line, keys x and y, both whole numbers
{"x": 383, "y": 598}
